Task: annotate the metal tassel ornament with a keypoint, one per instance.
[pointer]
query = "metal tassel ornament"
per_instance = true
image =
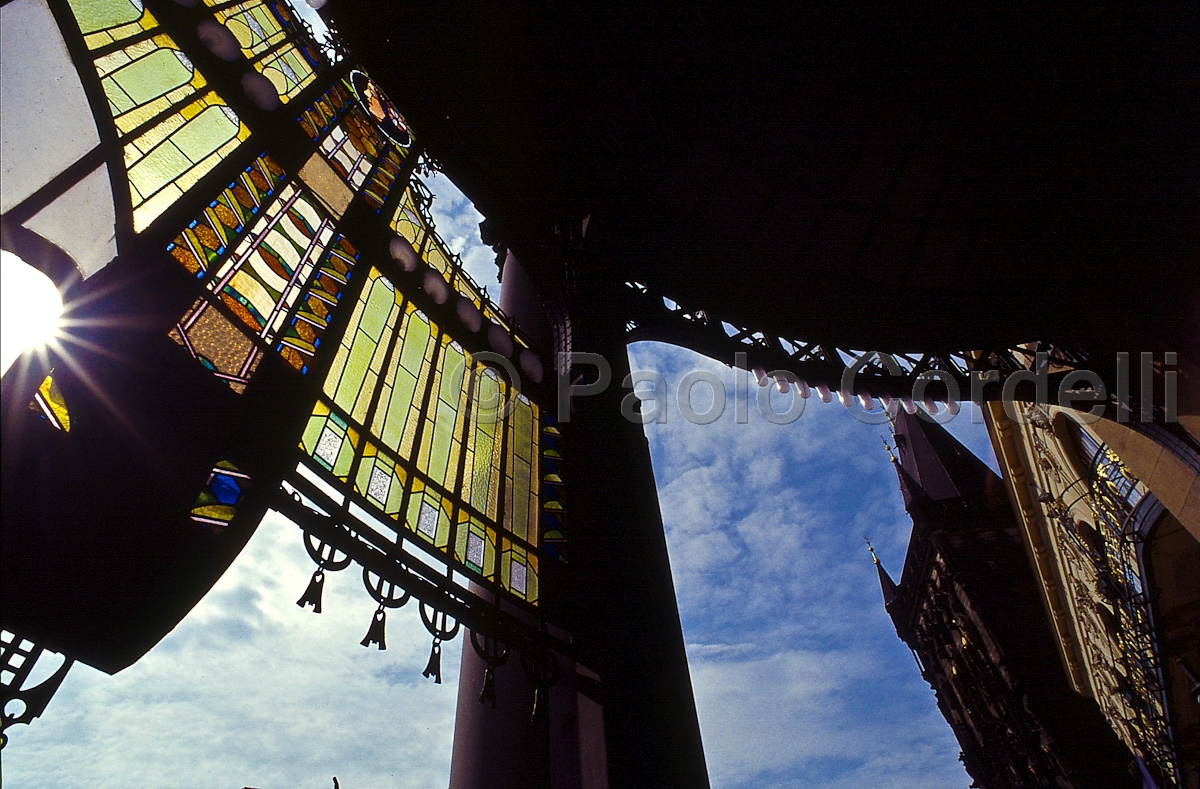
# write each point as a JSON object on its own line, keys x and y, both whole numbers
{"x": 375, "y": 633}
{"x": 434, "y": 667}
{"x": 489, "y": 687}
{"x": 312, "y": 595}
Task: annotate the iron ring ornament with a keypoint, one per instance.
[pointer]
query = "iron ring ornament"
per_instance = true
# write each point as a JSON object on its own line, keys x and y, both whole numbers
{"x": 442, "y": 632}
{"x": 326, "y": 558}
{"x": 383, "y": 592}
{"x": 325, "y": 555}
{"x": 542, "y": 667}
{"x": 494, "y": 654}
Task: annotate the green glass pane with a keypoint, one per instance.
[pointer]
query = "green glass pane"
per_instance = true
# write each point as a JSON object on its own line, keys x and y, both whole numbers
{"x": 443, "y": 435}
{"x": 416, "y": 341}
{"x": 96, "y": 15}
{"x": 366, "y": 340}
{"x": 523, "y": 422}
{"x": 207, "y": 132}
{"x": 149, "y": 77}
{"x": 158, "y": 168}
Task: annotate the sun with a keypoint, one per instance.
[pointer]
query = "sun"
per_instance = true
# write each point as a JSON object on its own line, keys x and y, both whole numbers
{"x": 30, "y": 308}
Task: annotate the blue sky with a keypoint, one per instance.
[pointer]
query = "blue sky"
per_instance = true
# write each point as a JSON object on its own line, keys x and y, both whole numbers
{"x": 799, "y": 678}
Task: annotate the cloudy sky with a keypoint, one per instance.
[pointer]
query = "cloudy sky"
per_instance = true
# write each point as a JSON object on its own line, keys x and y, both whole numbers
{"x": 799, "y": 679}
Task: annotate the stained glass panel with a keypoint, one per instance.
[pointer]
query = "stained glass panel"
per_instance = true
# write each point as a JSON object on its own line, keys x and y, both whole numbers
{"x": 521, "y": 488}
{"x": 380, "y": 182}
{"x": 429, "y": 514}
{"x": 219, "y": 345}
{"x": 325, "y": 111}
{"x": 145, "y": 79}
{"x": 106, "y": 21}
{"x": 330, "y": 440}
{"x": 262, "y": 279}
{"x": 253, "y": 24}
{"x": 397, "y": 414}
{"x": 355, "y": 369}
{"x": 288, "y": 69}
{"x": 481, "y": 488}
{"x": 50, "y": 403}
{"x": 437, "y": 258}
{"x": 519, "y": 571}
{"x": 167, "y": 160}
{"x": 381, "y": 480}
{"x": 475, "y": 545}
{"x": 262, "y": 31}
{"x": 407, "y": 220}
{"x": 203, "y": 242}
{"x": 302, "y": 338}
{"x": 382, "y": 111}
{"x": 445, "y": 416}
{"x": 352, "y": 148}
{"x": 218, "y": 502}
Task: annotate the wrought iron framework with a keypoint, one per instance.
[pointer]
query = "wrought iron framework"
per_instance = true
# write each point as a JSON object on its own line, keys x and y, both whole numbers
{"x": 21, "y": 699}
{"x": 871, "y": 374}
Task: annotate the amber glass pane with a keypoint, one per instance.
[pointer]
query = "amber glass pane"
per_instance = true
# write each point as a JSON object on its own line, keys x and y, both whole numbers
{"x": 204, "y": 241}
{"x": 219, "y": 345}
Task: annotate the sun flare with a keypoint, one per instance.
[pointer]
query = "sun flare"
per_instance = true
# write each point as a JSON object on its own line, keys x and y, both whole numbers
{"x": 31, "y": 308}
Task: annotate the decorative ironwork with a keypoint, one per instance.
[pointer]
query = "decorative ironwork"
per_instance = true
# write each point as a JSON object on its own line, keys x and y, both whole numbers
{"x": 21, "y": 703}
{"x": 494, "y": 655}
{"x": 447, "y": 600}
{"x": 384, "y": 593}
{"x": 844, "y": 372}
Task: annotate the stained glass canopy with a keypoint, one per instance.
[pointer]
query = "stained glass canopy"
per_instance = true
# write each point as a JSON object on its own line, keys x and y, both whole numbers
{"x": 260, "y": 314}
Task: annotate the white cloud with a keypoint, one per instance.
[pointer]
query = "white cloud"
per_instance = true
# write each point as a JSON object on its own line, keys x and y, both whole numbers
{"x": 457, "y": 223}
{"x": 799, "y": 677}
{"x": 251, "y": 690}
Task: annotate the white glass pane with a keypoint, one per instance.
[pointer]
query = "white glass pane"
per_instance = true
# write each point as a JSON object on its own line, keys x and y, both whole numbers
{"x": 82, "y": 222}
{"x": 45, "y": 121}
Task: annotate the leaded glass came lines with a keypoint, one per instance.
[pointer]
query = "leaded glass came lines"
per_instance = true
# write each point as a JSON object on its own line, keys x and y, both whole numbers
{"x": 104, "y": 22}
{"x": 288, "y": 69}
{"x": 219, "y": 345}
{"x": 253, "y": 24}
{"x": 381, "y": 480}
{"x": 325, "y": 111}
{"x": 169, "y": 159}
{"x": 145, "y": 79}
{"x": 330, "y": 440}
{"x": 352, "y": 148}
{"x": 303, "y": 336}
{"x": 482, "y": 487}
{"x": 142, "y": 81}
{"x": 262, "y": 31}
{"x": 217, "y": 504}
{"x": 355, "y": 369}
{"x": 475, "y": 545}
{"x": 399, "y": 406}
{"x": 444, "y": 418}
{"x": 407, "y": 221}
{"x": 521, "y": 511}
{"x": 50, "y": 403}
{"x": 205, "y": 240}
{"x": 262, "y": 279}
